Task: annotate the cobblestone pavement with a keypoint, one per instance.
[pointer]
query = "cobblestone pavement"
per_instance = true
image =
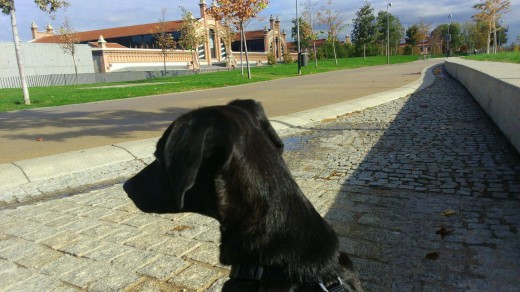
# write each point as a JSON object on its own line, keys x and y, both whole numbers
{"x": 423, "y": 191}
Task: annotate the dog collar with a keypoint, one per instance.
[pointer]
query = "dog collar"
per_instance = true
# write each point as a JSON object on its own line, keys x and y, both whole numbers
{"x": 256, "y": 273}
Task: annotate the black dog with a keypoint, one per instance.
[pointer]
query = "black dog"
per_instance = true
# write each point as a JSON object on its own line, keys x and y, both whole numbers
{"x": 225, "y": 162}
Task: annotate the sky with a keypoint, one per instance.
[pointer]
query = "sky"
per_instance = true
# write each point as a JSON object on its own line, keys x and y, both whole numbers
{"x": 99, "y": 14}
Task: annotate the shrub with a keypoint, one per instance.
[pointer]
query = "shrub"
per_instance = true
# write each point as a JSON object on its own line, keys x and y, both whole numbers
{"x": 271, "y": 59}
{"x": 287, "y": 58}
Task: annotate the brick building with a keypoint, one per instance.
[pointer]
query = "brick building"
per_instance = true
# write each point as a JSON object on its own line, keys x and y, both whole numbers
{"x": 133, "y": 46}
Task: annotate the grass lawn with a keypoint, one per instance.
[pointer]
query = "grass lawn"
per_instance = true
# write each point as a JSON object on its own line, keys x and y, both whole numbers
{"x": 11, "y": 98}
{"x": 508, "y": 57}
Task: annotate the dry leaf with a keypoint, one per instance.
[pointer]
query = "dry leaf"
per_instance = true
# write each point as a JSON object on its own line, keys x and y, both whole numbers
{"x": 432, "y": 256}
{"x": 444, "y": 232}
{"x": 448, "y": 213}
{"x": 181, "y": 228}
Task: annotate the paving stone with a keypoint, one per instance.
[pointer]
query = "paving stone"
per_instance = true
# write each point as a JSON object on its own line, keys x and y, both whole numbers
{"x": 135, "y": 259}
{"x": 176, "y": 246}
{"x": 195, "y": 277}
{"x": 164, "y": 267}
{"x": 107, "y": 251}
{"x": 63, "y": 265}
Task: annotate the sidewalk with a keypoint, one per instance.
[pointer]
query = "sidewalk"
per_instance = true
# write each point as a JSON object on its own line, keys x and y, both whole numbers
{"x": 423, "y": 191}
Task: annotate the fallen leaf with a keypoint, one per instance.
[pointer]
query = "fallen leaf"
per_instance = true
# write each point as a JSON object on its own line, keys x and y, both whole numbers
{"x": 448, "y": 213}
{"x": 444, "y": 232}
{"x": 181, "y": 228}
{"x": 432, "y": 256}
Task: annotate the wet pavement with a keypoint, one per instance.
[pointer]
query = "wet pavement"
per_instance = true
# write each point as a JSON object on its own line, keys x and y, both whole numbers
{"x": 424, "y": 193}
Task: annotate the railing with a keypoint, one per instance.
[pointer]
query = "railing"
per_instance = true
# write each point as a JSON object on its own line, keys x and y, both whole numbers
{"x": 92, "y": 78}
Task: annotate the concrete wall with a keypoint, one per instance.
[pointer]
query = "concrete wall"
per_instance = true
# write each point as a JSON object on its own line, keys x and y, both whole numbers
{"x": 498, "y": 96}
{"x": 44, "y": 59}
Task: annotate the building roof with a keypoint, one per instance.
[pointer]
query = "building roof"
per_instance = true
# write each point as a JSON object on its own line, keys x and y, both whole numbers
{"x": 294, "y": 45}
{"x": 107, "y": 45}
{"x": 251, "y": 35}
{"x": 108, "y": 33}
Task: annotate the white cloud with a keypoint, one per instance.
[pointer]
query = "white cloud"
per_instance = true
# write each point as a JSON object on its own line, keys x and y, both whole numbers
{"x": 97, "y": 14}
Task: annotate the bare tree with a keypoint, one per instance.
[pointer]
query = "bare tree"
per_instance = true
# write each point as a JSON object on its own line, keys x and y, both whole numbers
{"x": 163, "y": 39}
{"x": 8, "y": 8}
{"x": 335, "y": 22}
{"x": 309, "y": 16}
{"x": 490, "y": 11}
{"x": 68, "y": 40}
{"x": 239, "y": 12}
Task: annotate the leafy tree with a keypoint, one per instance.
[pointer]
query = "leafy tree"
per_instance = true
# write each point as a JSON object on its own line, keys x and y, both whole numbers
{"x": 8, "y": 8}
{"x": 68, "y": 40}
{"x": 190, "y": 39}
{"x": 417, "y": 33}
{"x": 364, "y": 29}
{"x": 334, "y": 21}
{"x": 306, "y": 33}
{"x": 490, "y": 11}
{"x": 437, "y": 38}
{"x": 238, "y": 12}
{"x": 395, "y": 28}
{"x": 164, "y": 40}
{"x": 413, "y": 36}
{"x": 437, "y": 35}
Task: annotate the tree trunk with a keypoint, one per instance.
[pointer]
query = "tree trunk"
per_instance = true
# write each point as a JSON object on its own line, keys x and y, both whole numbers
{"x": 495, "y": 41}
{"x": 245, "y": 50}
{"x": 164, "y": 63}
{"x": 315, "y": 55}
{"x": 17, "y": 49}
{"x": 75, "y": 67}
{"x": 241, "y": 51}
{"x": 334, "y": 50}
{"x": 488, "y": 39}
{"x": 364, "y": 53}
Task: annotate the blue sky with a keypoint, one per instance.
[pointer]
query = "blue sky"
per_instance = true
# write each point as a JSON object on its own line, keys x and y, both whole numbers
{"x": 97, "y": 14}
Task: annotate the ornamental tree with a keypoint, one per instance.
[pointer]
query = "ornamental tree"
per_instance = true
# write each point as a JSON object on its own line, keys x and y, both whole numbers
{"x": 238, "y": 12}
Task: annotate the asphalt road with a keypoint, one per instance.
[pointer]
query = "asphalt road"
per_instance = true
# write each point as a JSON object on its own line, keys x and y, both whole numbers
{"x": 47, "y": 131}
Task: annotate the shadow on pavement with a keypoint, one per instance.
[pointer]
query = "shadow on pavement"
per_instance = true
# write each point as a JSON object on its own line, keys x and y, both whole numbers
{"x": 26, "y": 125}
{"x": 423, "y": 192}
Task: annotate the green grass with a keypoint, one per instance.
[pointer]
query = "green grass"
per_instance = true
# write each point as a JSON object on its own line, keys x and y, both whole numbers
{"x": 507, "y": 57}
{"x": 11, "y": 99}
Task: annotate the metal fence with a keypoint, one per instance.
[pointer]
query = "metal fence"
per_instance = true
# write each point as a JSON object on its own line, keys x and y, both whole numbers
{"x": 92, "y": 78}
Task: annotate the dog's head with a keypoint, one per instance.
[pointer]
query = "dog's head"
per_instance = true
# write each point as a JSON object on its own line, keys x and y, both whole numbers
{"x": 190, "y": 154}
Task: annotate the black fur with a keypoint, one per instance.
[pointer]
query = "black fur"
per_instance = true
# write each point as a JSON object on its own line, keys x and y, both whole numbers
{"x": 225, "y": 162}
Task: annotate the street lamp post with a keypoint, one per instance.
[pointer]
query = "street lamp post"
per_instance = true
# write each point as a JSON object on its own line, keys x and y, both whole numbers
{"x": 298, "y": 37}
{"x": 499, "y": 42}
{"x": 448, "y": 38}
{"x": 388, "y": 33}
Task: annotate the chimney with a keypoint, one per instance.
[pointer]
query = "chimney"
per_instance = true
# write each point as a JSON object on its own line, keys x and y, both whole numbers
{"x": 102, "y": 43}
{"x": 50, "y": 29}
{"x": 34, "y": 30}
{"x": 271, "y": 22}
{"x": 202, "y": 5}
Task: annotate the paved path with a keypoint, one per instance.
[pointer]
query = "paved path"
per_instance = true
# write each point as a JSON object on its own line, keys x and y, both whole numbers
{"x": 48, "y": 131}
{"x": 423, "y": 191}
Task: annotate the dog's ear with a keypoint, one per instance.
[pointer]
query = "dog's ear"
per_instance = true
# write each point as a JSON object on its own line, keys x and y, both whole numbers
{"x": 255, "y": 109}
{"x": 183, "y": 154}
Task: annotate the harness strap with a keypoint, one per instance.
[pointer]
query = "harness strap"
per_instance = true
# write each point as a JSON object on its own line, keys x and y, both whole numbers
{"x": 256, "y": 273}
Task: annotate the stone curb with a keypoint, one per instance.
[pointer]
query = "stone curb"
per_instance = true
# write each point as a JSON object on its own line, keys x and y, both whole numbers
{"x": 33, "y": 179}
